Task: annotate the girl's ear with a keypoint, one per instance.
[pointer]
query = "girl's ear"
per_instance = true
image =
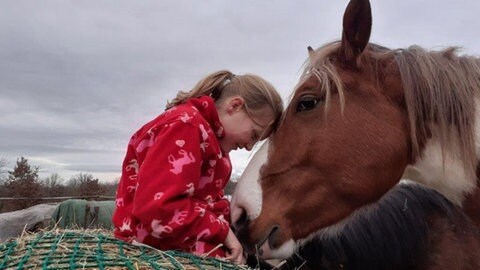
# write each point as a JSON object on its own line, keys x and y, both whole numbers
{"x": 235, "y": 104}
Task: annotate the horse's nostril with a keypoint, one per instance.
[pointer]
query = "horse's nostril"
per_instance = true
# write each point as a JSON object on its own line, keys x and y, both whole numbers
{"x": 241, "y": 222}
{"x": 272, "y": 237}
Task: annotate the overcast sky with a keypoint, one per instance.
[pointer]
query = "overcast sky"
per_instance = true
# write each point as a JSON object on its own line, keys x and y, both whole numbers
{"x": 77, "y": 78}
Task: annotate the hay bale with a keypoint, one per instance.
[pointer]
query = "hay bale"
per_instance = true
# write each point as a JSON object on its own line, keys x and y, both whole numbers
{"x": 95, "y": 249}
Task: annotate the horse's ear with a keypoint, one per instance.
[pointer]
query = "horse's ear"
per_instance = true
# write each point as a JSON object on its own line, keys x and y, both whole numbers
{"x": 311, "y": 52}
{"x": 357, "y": 25}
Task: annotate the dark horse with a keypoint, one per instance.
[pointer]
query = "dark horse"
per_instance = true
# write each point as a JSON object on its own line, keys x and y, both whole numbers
{"x": 411, "y": 227}
{"x": 360, "y": 115}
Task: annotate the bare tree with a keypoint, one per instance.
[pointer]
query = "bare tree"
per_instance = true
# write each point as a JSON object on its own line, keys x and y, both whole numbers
{"x": 111, "y": 187}
{"x": 53, "y": 185}
{"x": 87, "y": 185}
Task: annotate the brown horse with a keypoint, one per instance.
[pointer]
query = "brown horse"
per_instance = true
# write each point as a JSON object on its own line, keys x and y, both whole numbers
{"x": 359, "y": 116}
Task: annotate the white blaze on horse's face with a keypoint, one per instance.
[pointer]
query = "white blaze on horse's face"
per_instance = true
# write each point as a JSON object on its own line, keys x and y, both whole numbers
{"x": 247, "y": 200}
{"x": 248, "y": 192}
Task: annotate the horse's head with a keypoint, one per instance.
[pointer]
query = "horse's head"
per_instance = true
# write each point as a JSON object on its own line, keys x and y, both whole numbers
{"x": 342, "y": 143}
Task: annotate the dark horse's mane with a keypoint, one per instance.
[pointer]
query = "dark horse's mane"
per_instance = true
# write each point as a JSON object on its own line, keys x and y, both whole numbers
{"x": 389, "y": 234}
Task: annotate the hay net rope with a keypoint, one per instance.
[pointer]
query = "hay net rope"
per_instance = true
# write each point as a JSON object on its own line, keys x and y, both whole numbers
{"x": 72, "y": 249}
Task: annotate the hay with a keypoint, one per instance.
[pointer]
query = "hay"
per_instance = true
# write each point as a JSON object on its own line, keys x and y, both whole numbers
{"x": 95, "y": 249}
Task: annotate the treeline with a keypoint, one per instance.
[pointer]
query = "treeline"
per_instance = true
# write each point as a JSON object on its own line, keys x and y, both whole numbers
{"x": 22, "y": 187}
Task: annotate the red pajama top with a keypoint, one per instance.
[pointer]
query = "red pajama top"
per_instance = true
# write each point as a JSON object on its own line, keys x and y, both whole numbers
{"x": 170, "y": 195}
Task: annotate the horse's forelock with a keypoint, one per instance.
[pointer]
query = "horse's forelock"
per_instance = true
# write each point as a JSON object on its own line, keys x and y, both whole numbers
{"x": 320, "y": 64}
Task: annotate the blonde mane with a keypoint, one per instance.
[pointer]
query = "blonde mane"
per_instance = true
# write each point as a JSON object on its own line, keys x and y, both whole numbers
{"x": 440, "y": 92}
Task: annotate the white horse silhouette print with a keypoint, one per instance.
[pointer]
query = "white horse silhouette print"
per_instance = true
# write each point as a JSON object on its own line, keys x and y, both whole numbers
{"x": 190, "y": 190}
{"x": 220, "y": 220}
{"x": 158, "y": 229}
{"x": 179, "y": 217}
{"x": 132, "y": 188}
{"x": 204, "y": 144}
{"x": 199, "y": 246}
{"x": 185, "y": 117}
{"x": 145, "y": 143}
{"x": 178, "y": 164}
{"x": 126, "y": 225}
{"x": 204, "y": 180}
{"x": 132, "y": 165}
{"x": 204, "y": 132}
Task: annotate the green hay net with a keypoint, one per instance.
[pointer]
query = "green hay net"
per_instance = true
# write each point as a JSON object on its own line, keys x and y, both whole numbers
{"x": 94, "y": 250}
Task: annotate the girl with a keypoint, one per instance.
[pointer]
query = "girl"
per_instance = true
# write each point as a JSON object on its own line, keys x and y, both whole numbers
{"x": 170, "y": 195}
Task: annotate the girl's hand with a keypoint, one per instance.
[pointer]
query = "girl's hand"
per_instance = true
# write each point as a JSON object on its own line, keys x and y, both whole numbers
{"x": 235, "y": 249}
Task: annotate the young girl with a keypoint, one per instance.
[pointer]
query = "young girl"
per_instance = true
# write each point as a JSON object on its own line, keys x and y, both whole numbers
{"x": 170, "y": 195}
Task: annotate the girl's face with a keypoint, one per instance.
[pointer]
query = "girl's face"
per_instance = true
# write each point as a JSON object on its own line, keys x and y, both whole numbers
{"x": 241, "y": 130}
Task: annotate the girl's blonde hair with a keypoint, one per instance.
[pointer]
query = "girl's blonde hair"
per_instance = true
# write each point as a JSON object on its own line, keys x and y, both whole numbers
{"x": 257, "y": 93}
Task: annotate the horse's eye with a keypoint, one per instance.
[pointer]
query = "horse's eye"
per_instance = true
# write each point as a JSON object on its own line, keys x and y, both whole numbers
{"x": 307, "y": 103}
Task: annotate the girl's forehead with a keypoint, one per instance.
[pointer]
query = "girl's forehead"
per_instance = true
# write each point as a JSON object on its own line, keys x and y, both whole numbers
{"x": 263, "y": 118}
{"x": 263, "y": 122}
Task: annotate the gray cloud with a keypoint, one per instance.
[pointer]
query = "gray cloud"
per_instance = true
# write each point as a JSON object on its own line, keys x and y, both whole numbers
{"x": 78, "y": 77}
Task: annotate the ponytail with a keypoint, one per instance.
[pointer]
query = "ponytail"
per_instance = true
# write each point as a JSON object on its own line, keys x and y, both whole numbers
{"x": 212, "y": 85}
{"x": 258, "y": 94}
